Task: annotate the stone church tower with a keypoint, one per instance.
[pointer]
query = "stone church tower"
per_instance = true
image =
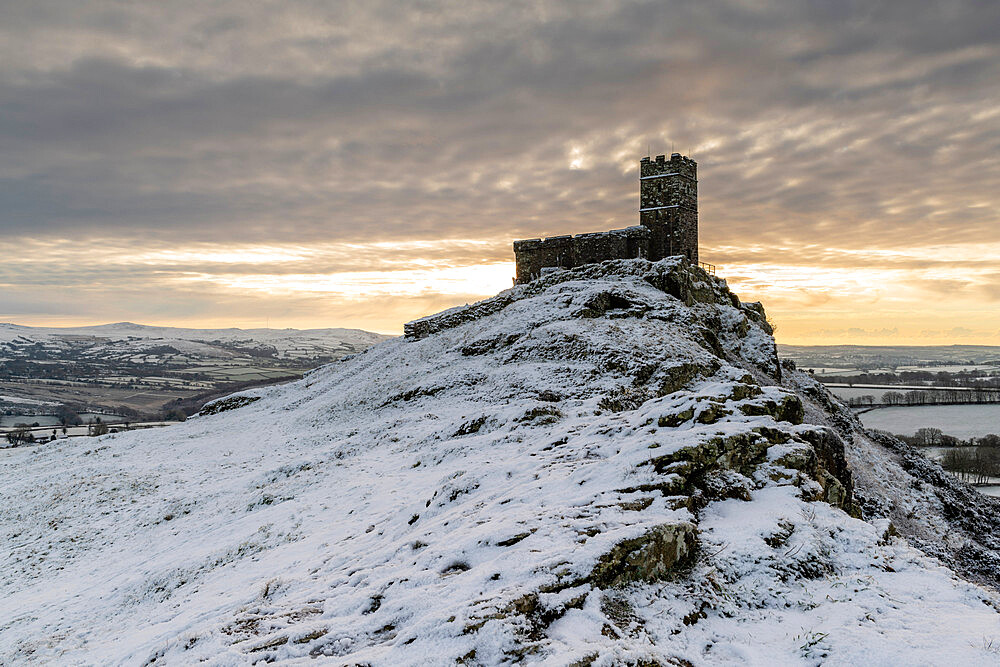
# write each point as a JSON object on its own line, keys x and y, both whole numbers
{"x": 668, "y": 205}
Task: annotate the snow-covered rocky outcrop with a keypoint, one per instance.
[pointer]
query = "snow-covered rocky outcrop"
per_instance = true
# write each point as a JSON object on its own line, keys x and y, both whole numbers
{"x": 607, "y": 466}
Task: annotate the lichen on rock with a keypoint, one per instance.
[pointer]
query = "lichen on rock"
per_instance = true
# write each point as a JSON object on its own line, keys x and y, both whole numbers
{"x": 649, "y": 557}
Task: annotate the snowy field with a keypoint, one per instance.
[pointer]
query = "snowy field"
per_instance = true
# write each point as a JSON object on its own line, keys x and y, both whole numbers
{"x": 955, "y": 368}
{"x": 22, "y": 400}
{"x": 961, "y": 421}
{"x": 8, "y": 421}
{"x": 857, "y": 392}
{"x": 821, "y": 371}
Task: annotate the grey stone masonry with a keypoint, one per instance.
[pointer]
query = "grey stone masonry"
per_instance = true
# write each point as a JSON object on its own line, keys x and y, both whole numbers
{"x": 668, "y": 205}
{"x": 668, "y": 217}
{"x": 534, "y": 256}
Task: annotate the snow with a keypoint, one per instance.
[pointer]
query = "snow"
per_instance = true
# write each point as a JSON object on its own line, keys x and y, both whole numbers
{"x": 879, "y": 603}
{"x": 137, "y": 337}
{"x": 646, "y": 178}
{"x": 396, "y": 508}
{"x": 961, "y": 421}
{"x": 27, "y": 401}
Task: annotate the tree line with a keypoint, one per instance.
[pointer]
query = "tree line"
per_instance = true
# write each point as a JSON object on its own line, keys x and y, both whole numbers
{"x": 928, "y": 397}
{"x": 976, "y": 460}
{"x": 934, "y": 437}
{"x": 979, "y": 379}
{"x": 24, "y": 434}
{"x": 975, "y": 465}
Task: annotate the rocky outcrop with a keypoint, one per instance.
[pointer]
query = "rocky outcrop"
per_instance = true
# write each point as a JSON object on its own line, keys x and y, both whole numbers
{"x": 649, "y": 557}
{"x": 673, "y": 276}
{"x": 603, "y": 466}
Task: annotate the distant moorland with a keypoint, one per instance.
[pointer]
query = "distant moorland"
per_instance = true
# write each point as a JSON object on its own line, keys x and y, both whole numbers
{"x": 140, "y": 372}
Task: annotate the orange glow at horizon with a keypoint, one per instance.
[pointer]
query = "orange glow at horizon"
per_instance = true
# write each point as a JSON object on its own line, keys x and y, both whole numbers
{"x": 898, "y": 298}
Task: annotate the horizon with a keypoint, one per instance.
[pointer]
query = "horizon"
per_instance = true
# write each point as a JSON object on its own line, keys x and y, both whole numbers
{"x": 167, "y": 326}
{"x": 270, "y": 328}
{"x": 228, "y": 166}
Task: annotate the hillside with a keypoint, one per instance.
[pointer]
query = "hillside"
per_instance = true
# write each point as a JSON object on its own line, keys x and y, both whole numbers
{"x": 606, "y": 466}
{"x": 289, "y": 343}
{"x": 134, "y": 370}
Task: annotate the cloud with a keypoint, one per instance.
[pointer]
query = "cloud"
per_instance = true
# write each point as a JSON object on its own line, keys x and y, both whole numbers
{"x": 833, "y": 136}
{"x": 856, "y": 332}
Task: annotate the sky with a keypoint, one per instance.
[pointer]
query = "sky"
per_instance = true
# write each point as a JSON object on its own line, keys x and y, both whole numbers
{"x": 360, "y": 164}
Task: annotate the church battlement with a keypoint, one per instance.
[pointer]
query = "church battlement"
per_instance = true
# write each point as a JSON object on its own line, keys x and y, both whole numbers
{"x": 649, "y": 168}
{"x": 668, "y": 225}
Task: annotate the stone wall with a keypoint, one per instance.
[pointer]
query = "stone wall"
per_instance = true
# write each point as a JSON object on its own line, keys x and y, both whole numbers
{"x": 454, "y": 317}
{"x": 533, "y": 255}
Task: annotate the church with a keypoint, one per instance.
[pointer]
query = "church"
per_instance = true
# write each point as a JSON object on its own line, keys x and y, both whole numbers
{"x": 668, "y": 225}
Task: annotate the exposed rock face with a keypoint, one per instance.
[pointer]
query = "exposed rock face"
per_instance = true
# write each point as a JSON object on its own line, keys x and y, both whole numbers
{"x": 727, "y": 375}
{"x": 649, "y": 557}
{"x": 673, "y": 276}
{"x": 605, "y": 466}
{"x": 944, "y": 517}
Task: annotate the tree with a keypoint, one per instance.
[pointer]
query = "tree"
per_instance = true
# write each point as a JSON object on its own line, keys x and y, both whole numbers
{"x": 989, "y": 440}
{"x": 893, "y": 398}
{"x": 20, "y": 435}
{"x": 175, "y": 415}
{"x": 861, "y": 401}
{"x": 97, "y": 427}
{"x": 928, "y": 436}
{"x": 958, "y": 462}
{"x": 67, "y": 417}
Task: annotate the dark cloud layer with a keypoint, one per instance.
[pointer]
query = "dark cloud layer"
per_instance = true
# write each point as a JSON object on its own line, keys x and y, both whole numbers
{"x": 820, "y": 127}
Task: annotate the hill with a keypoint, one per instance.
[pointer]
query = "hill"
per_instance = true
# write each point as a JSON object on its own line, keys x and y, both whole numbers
{"x": 903, "y": 357}
{"x": 606, "y": 466}
{"x": 141, "y": 371}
